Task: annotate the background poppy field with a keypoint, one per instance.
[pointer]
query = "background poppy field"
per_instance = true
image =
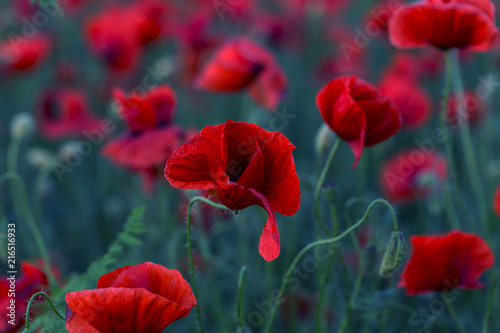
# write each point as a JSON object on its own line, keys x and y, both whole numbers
{"x": 95, "y": 97}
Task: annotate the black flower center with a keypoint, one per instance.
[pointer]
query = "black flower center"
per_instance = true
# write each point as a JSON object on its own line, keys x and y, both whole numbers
{"x": 235, "y": 168}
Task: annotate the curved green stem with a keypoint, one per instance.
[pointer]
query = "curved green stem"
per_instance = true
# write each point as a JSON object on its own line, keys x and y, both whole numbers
{"x": 31, "y": 223}
{"x": 32, "y": 299}
{"x": 454, "y": 316}
{"x": 319, "y": 185}
{"x": 468, "y": 148}
{"x": 241, "y": 284}
{"x": 324, "y": 242}
{"x": 190, "y": 251}
{"x": 490, "y": 303}
{"x": 447, "y": 142}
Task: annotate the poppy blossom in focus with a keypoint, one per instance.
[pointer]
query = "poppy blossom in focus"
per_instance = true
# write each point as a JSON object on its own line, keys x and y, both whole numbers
{"x": 141, "y": 298}
{"x": 444, "y": 24}
{"x": 413, "y": 174}
{"x": 151, "y": 137}
{"x": 474, "y": 110}
{"x": 64, "y": 112}
{"x": 357, "y": 112}
{"x": 438, "y": 263}
{"x": 496, "y": 201}
{"x": 31, "y": 280}
{"x": 24, "y": 53}
{"x": 411, "y": 100}
{"x": 246, "y": 165}
{"x": 239, "y": 64}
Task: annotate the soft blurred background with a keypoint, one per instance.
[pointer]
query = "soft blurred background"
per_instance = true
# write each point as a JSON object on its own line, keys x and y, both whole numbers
{"x": 81, "y": 201}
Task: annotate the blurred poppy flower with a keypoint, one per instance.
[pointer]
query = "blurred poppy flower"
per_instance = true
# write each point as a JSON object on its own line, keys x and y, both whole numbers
{"x": 147, "y": 16}
{"x": 246, "y": 165}
{"x": 474, "y": 110}
{"x": 357, "y": 112}
{"x": 114, "y": 38}
{"x": 239, "y": 64}
{"x": 24, "y": 53}
{"x": 141, "y": 298}
{"x": 31, "y": 280}
{"x": 444, "y": 24}
{"x": 64, "y": 112}
{"x": 411, "y": 100}
{"x": 439, "y": 263}
{"x": 413, "y": 174}
{"x": 496, "y": 201}
{"x": 151, "y": 137}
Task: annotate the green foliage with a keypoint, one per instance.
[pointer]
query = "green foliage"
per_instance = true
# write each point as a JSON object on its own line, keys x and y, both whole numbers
{"x": 54, "y": 3}
{"x": 47, "y": 322}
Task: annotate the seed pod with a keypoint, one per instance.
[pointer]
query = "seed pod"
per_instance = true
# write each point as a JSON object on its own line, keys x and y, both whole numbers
{"x": 394, "y": 255}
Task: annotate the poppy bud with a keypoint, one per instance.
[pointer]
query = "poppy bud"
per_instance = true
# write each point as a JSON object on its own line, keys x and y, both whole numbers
{"x": 324, "y": 139}
{"x": 22, "y": 125}
{"x": 38, "y": 157}
{"x": 394, "y": 255}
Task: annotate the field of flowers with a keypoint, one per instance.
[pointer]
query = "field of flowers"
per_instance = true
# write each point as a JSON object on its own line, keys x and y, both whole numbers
{"x": 249, "y": 166}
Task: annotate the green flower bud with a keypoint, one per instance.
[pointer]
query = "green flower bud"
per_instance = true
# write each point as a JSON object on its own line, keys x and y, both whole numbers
{"x": 324, "y": 139}
{"x": 22, "y": 125}
{"x": 394, "y": 255}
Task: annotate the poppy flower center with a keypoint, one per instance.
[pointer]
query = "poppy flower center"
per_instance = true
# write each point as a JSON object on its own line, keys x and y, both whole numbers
{"x": 235, "y": 168}
{"x": 52, "y": 109}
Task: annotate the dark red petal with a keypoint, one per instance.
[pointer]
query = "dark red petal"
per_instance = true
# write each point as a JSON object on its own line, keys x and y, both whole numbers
{"x": 269, "y": 88}
{"x": 438, "y": 263}
{"x": 159, "y": 280}
{"x": 189, "y": 166}
{"x": 76, "y": 324}
{"x": 234, "y": 66}
{"x": 282, "y": 188}
{"x": 496, "y": 201}
{"x": 382, "y": 118}
{"x": 147, "y": 150}
{"x": 108, "y": 279}
{"x": 442, "y": 25}
{"x": 123, "y": 310}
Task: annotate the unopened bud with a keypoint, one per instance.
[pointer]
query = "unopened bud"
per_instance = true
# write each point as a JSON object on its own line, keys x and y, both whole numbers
{"x": 324, "y": 139}
{"x": 394, "y": 255}
{"x": 22, "y": 125}
{"x": 38, "y": 157}
{"x": 70, "y": 151}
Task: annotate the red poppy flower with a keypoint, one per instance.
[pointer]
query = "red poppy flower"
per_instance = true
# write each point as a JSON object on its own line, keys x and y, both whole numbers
{"x": 411, "y": 100}
{"x": 147, "y": 16}
{"x": 444, "y": 24}
{"x": 246, "y": 165}
{"x": 24, "y": 53}
{"x": 413, "y": 174}
{"x": 357, "y": 112}
{"x": 151, "y": 137}
{"x": 65, "y": 112}
{"x": 114, "y": 38}
{"x": 31, "y": 280}
{"x": 439, "y": 263}
{"x": 239, "y": 64}
{"x": 496, "y": 201}
{"x": 474, "y": 110}
{"x": 141, "y": 298}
